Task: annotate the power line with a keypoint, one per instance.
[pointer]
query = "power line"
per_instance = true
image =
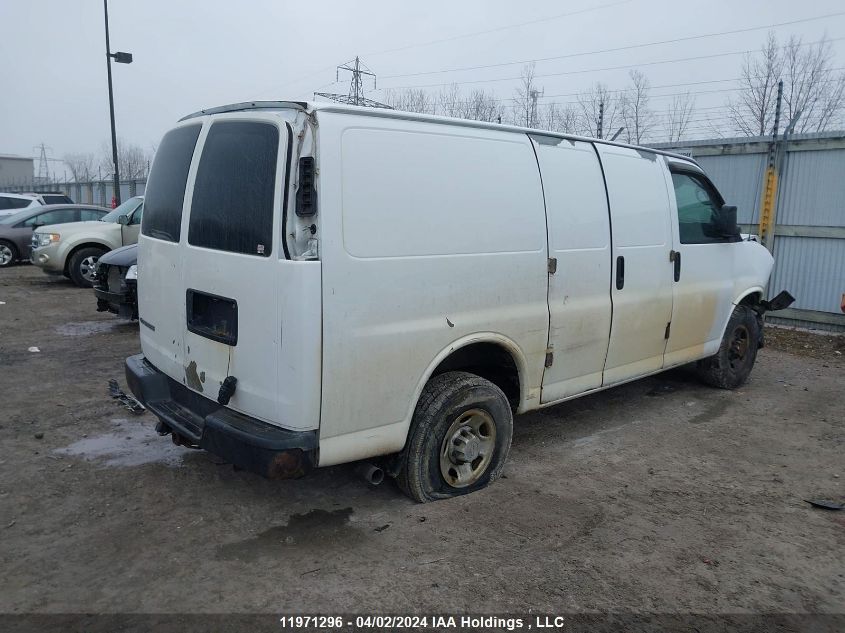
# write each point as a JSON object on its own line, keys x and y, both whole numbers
{"x": 691, "y": 93}
{"x": 458, "y": 37}
{"x": 618, "y": 48}
{"x": 593, "y": 70}
{"x": 497, "y": 29}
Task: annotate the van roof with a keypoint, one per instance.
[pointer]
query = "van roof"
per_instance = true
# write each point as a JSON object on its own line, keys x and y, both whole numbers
{"x": 321, "y": 106}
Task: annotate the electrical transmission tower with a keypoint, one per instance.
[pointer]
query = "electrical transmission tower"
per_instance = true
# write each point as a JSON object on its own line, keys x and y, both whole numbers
{"x": 356, "y": 86}
{"x": 43, "y": 175}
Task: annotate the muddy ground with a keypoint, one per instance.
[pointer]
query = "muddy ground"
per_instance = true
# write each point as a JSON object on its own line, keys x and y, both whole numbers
{"x": 659, "y": 496}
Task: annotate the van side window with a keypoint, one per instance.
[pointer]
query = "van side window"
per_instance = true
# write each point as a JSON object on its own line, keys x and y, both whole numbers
{"x": 165, "y": 192}
{"x": 697, "y": 206}
{"x": 232, "y": 208}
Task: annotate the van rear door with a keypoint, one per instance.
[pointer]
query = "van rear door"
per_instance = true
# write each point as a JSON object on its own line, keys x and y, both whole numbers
{"x": 230, "y": 277}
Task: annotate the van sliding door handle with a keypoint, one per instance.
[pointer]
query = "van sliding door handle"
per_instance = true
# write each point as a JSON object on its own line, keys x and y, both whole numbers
{"x": 620, "y": 272}
{"x": 675, "y": 256}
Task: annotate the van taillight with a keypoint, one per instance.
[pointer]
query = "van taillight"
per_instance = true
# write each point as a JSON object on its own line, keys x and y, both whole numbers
{"x": 306, "y": 195}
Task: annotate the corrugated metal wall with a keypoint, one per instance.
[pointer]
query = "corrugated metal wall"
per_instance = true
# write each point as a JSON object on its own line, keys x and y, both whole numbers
{"x": 811, "y": 200}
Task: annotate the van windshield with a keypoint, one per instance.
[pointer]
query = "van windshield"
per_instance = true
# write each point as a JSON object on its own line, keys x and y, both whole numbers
{"x": 124, "y": 209}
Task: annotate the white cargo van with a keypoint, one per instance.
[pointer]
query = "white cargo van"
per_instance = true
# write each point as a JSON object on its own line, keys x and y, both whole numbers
{"x": 322, "y": 284}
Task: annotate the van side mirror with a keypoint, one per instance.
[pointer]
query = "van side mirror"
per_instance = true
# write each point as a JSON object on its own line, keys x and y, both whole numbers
{"x": 725, "y": 222}
{"x": 123, "y": 219}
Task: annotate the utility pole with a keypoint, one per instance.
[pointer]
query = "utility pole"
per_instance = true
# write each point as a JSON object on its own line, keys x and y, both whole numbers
{"x": 601, "y": 120}
{"x": 120, "y": 58}
{"x": 531, "y": 114}
{"x": 770, "y": 183}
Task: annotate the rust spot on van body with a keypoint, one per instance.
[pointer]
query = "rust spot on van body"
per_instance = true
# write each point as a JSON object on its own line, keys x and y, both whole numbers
{"x": 192, "y": 377}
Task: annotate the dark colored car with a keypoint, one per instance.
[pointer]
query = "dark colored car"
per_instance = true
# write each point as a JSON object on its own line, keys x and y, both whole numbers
{"x": 116, "y": 282}
{"x": 16, "y": 229}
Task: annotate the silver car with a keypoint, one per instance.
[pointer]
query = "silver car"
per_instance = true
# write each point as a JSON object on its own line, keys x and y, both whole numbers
{"x": 16, "y": 229}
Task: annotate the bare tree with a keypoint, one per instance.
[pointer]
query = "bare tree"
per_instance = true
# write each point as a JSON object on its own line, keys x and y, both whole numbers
{"x": 81, "y": 166}
{"x": 679, "y": 116}
{"x": 525, "y": 99}
{"x": 481, "y": 106}
{"x": 133, "y": 160}
{"x": 411, "y": 100}
{"x": 637, "y": 116}
{"x": 811, "y": 86}
{"x": 448, "y": 101}
{"x": 590, "y": 105}
{"x": 752, "y": 113}
{"x": 555, "y": 118}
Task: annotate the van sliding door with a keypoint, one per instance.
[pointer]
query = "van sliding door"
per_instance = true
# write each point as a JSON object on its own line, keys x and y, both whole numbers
{"x": 579, "y": 292}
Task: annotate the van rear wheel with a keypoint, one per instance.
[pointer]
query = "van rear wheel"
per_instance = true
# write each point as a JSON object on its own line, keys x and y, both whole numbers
{"x": 460, "y": 438}
{"x": 730, "y": 367}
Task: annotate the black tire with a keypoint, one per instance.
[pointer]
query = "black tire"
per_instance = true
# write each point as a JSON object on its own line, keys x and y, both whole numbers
{"x": 78, "y": 266}
{"x": 8, "y": 254}
{"x": 730, "y": 367}
{"x": 453, "y": 400}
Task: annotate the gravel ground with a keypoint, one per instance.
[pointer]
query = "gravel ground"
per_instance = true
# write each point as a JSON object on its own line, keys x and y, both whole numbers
{"x": 662, "y": 495}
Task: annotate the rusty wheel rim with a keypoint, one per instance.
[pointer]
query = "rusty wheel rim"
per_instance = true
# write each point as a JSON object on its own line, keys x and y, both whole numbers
{"x": 738, "y": 349}
{"x": 468, "y": 448}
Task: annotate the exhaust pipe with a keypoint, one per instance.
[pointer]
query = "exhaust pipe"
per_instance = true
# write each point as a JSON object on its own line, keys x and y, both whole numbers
{"x": 372, "y": 474}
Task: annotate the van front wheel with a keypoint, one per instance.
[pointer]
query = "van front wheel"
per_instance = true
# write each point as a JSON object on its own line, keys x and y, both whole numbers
{"x": 730, "y": 367}
{"x": 460, "y": 437}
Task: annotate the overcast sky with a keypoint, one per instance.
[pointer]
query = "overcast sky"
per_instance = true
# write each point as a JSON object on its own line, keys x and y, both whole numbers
{"x": 191, "y": 54}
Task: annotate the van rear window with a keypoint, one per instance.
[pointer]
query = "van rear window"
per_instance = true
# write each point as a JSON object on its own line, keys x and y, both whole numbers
{"x": 232, "y": 207}
{"x": 165, "y": 191}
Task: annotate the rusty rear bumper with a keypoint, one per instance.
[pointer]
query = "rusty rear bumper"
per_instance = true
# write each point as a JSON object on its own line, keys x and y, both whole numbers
{"x": 194, "y": 420}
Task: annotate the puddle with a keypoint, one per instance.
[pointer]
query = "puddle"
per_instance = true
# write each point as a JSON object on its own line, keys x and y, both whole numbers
{"x": 318, "y": 528}
{"x": 86, "y": 328}
{"x": 132, "y": 443}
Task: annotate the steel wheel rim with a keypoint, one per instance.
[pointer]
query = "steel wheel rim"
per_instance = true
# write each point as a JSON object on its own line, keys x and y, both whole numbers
{"x": 5, "y": 255}
{"x": 468, "y": 448}
{"x": 738, "y": 349}
{"x": 88, "y": 267}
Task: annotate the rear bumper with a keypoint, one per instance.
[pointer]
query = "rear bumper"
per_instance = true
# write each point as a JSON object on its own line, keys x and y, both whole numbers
{"x": 195, "y": 420}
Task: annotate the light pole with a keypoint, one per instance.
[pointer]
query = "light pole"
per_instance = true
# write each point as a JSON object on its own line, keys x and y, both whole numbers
{"x": 120, "y": 58}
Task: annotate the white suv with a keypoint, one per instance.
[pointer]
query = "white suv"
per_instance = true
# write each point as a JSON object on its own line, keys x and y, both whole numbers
{"x": 13, "y": 202}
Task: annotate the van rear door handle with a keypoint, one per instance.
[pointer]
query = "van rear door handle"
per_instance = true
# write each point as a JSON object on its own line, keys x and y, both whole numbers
{"x": 620, "y": 272}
